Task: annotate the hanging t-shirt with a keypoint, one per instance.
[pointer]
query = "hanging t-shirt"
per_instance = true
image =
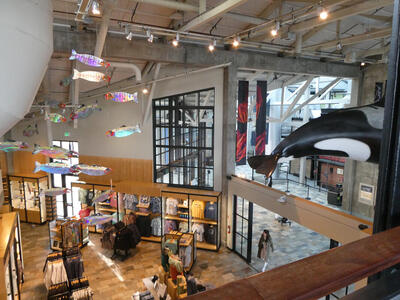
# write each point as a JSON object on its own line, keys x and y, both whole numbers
{"x": 169, "y": 225}
{"x": 198, "y": 229}
{"x": 210, "y": 212}
{"x": 156, "y": 226}
{"x": 155, "y": 203}
{"x": 130, "y": 201}
{"x": 171, "y": 206}
{"x": 198, "y": 209}
{"x": 183, "y": 226}
{"x": 210, "y": 234}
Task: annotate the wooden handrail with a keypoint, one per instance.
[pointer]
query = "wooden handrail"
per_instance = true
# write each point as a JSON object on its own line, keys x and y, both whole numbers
{"x": 318, "y": 275}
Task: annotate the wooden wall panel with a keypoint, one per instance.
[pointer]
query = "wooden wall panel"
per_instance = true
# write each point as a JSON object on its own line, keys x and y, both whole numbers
{"x": 24, "y": 162}
{"x": 122, "y": 169}
{"x": 3, "y": 163}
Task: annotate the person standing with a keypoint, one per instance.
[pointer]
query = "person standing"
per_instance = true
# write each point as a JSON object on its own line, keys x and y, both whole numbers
{"x": 265, "y": 245}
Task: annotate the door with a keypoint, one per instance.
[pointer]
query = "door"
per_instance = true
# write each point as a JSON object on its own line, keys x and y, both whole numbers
{"x": 66, "y": 207}
{"x": 242, "y": 227}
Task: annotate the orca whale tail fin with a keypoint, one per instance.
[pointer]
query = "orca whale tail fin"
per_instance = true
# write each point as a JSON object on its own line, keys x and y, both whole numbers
{"x": 264, "y": 164}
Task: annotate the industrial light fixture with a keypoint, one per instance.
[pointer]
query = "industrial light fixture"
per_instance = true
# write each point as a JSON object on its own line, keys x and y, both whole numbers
{"x": 150, "y": 36}
{"x": 236, "y": 42}
{"x": 339, "y": 46}
{"x": 145, "y": 91}
{"x": 129, "y": 36}
{"x": 175, "y": 42}
{"x": 362, "y": 64}
{"x": 95, "y": 8}
{"x": 323, "y": 15}
{"x": 274, "y": 31}
{"x": 211, "y": 47}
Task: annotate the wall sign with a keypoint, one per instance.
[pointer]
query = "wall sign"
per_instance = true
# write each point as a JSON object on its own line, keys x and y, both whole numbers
{"x": 367, "y": 193}
{"x": 339, "y": 171}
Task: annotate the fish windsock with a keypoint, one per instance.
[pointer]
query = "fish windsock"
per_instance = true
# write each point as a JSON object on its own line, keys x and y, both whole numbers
{"x": 109, "y": 96}
{"x": 264, "y": 164}
{"x": 110, "y": 133}
{"x": 73, "y": 55}
{"x": 37, "y": 167}
{"x": 107, "y": 78}
{"x": 76, "y": 75}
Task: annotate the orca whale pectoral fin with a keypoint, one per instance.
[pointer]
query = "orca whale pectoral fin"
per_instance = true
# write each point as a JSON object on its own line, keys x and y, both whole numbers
{"x": 264, "y": 164}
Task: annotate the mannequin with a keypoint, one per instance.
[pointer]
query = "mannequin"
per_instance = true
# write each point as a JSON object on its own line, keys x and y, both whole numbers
{"x": 264, "y": 246}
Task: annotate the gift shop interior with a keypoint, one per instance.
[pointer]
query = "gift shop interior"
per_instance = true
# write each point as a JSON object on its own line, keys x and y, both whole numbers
{"x": 200, "y": 149}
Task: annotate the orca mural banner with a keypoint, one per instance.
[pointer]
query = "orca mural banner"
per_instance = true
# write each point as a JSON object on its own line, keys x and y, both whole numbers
{"x": 261, "y": 117}
{"x": 242, "y": 114}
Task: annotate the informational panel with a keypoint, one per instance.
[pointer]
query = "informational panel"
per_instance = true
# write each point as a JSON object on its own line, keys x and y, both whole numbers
{"x": 242, "y": 116}
{"x": 367, "y": 193}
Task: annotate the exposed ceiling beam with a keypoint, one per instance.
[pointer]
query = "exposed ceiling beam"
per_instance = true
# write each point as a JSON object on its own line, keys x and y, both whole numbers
{"x": 372, "y": 35}
{"x": 212, "y": 14}
{"x": 190, "y": 54}
{"x": 383, "y": 19}
{"x": 340, "y": 14}
{"x": 246, "y": 19}
{"x": 300, "y": 92}
{"x": 172, "y": 4}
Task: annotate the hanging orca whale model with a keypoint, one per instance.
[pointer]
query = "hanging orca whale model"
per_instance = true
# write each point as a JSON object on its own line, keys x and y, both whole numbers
{"x": 353, "y": 132}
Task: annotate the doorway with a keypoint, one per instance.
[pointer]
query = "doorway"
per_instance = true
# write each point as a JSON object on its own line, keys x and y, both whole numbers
{"x": 242, "y": 227}
{"x": 66, "y": 207}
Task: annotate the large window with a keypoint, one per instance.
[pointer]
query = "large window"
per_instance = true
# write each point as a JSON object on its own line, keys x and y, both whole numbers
{"x": 183, "y": 131}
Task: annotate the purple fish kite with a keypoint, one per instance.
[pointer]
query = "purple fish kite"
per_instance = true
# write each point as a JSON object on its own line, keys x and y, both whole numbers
{"x": 89, "y": 60}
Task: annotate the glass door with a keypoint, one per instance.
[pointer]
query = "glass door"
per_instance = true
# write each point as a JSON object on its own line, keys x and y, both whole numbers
{"x": 242, "y": 227}
{"x": 66, "y": 206}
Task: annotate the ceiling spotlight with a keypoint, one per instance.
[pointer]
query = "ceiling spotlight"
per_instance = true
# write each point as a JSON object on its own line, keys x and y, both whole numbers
{"x": 129, "y": 36}
{"x": 339, "y": 46}
{"x": 150, "y": 36}
{"x": 236, "y": 42}
{"x": 95, "y": 8}
{"x": 175, "y": 42}
{"x": 211, "y": 47}
{"x": 362, "y": 64}
{"x": 274, "y": 31}
{"x": 323, "y": 15}
{"x": 145, "y": 91}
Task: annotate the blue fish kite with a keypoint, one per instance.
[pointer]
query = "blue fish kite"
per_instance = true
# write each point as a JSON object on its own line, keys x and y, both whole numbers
{"x": 53, "y": 168}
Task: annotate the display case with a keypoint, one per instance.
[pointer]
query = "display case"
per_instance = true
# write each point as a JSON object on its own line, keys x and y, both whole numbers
{"x": 144, "y": 200}
{"x": 24, "y": 192}
{"x": 67, "y": 233}
{"x": 11, "y": 258}
{"x": 86, "y": 192}
{"x": 203, "y": 214}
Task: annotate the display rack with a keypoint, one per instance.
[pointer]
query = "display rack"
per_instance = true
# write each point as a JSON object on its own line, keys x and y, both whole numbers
{"x": 67, "y": 233}
{"x": 146, "y": 214}
{"x": 24, "y": 192}
{"x": 203, "y": 209}
{"x": 184, "y": 240}
{"x": 11, "y": 258}
{"x": 94, "y": 189}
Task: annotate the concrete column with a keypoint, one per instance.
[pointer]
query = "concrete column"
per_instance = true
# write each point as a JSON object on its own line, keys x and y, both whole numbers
{"x": 229, "y": 141}
{"x": 350, "y": 165}
{"x": 303, "y": 160}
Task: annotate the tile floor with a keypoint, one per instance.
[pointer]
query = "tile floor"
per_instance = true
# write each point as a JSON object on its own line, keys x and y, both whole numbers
{"x": 112, "y": 279}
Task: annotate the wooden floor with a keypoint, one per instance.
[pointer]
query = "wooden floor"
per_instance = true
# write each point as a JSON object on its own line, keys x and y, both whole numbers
{"x": 113, "y": 279}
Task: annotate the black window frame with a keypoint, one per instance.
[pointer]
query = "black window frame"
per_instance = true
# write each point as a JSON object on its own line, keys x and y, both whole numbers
{"x": 170, "y": 138}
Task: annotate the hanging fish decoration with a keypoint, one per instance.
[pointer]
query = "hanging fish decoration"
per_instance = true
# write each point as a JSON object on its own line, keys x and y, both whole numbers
{"x": 53, "y": 168}
{"x": 66, "y": 81}
{"x": 92, "y": 170}
{"x": 124, "y": 131}
{"x": 55, "y": 118}
{"x": 89, "y": 60}
{"x": 55, "y": 152}
{"x": 52, "y": 192}
{"x": 97, "y": 219}
{"x": 85, "y": 111}
{"x": 10, "y": 146}
{"x": 92, "y": 76}
{"x": 30, "y": 131}
{"x": 122, "y": 97}
{"x": 103, "y": 196}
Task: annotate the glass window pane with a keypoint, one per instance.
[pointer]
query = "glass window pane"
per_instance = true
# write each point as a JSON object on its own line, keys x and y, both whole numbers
{"x": 239, "y": 206}
{"x": 239, "y": 223}
{"x": 244, "y": 247}
{"x": 207, "y": 98}
{"x": 238, "y": 243}
{"x": 57, "y": 180}
{"x": 65, "y": 145}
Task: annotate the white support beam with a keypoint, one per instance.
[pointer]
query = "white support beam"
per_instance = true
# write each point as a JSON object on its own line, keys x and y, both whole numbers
{"x": 146, "y": 115}
{"x": 372, "y": 35}
{"x": 172, "y": 4}
{"x": 340, "y": 14}
{"x": 212, "y": 14}
{"x": 320, "y": 94}
{"x": 300, "y": 93}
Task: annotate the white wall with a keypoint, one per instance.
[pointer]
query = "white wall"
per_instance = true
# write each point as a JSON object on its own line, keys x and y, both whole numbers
{"x": 91, "y": 131}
